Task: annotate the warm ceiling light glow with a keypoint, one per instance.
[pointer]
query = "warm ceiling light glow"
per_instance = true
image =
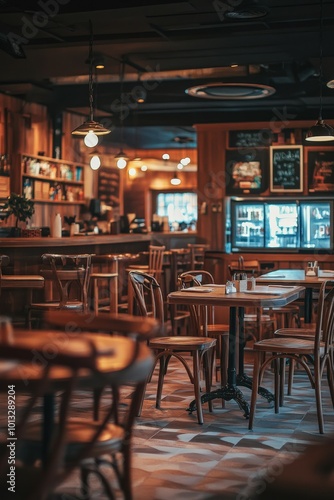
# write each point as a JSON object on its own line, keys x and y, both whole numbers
{"x": 185, "y": 161}
{"x": 234, "y": 65}
{"x": 121, "y": 163}
{"x": 165, "y": 156}
{"x": 91, "y": 139}
{"x": 132, "y": 172}
{"x": 95, "y": 162}
{"x": 179, "y": 166}
{"x": 175, "y": 181}
{"x": 143, "y": 168}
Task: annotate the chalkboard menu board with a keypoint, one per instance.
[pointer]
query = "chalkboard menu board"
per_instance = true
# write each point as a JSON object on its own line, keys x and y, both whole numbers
{"x": 250, "y": 138}
{"x": 108, "y": 187}
{"x": 286, "y": 169}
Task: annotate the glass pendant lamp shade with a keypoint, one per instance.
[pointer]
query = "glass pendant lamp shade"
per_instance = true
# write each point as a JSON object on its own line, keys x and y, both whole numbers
{"x": 95, "y": 162}
{"x": 91, "y": 139}
{"x": 90, "y": 125}
{"x": 175, "y": 181}
{"x": 121, "y": 159}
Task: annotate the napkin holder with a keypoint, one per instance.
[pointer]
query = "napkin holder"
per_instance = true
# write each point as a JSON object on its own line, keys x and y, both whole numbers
{"x": 240, "y": 285}
{"x": 312, "y": 269}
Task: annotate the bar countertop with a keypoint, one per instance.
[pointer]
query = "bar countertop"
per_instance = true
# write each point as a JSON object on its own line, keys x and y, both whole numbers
{"x": 96, "y": 239}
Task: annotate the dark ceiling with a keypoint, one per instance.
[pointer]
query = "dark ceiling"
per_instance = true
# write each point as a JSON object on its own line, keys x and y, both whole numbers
{"x": 164, "y": 49}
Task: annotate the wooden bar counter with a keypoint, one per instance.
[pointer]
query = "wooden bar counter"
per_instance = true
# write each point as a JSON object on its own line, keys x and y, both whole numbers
{"x": 25, "y": 253}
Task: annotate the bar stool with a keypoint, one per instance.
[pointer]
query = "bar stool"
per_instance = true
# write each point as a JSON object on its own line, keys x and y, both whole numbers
{"x": 98, "y": 279}
{"x": 68, "y": 278}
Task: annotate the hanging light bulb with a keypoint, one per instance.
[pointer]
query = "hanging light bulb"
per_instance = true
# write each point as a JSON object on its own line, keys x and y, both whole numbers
{"x": 321, "y": 131}
{"x": 121, "y": 159}
{"x": 91, "y": 125}
{"x": 175, "y": 181}
{"x": 91, "y": 139}
{"x": 143, "y": 168}
{"x": 132, "y": 172}
{"x": 165, "y": 156}
{"x": 95, "y": 162}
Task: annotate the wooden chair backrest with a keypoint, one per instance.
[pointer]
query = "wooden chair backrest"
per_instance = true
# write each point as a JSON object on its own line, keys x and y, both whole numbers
{"x": 148, "y": 295}
{"x": 65, "y": 271}
{"x": 197, "y": 253}
{"x": 155, "y": 260}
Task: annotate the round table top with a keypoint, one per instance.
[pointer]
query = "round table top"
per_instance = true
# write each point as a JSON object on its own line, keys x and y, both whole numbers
{"x": 115, "y": 359}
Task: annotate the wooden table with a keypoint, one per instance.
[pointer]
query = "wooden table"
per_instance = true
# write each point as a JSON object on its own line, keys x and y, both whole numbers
{"x": 263, "y": 296}
{"x": 294, "y": 277}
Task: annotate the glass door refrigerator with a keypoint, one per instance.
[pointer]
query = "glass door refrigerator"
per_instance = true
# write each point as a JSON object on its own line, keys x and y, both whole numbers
{"x": 247, "y": 230}
{"x": 272, "y": 224}
{"x": 281, "y": 225}
{"x": 316, "y": 224}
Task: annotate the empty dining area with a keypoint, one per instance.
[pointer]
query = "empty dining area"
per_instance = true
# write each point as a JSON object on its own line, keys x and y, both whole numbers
{"x": 144, "y": 376}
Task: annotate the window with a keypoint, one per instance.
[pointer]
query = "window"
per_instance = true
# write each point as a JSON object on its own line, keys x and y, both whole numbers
{"x": 180, "y": 208}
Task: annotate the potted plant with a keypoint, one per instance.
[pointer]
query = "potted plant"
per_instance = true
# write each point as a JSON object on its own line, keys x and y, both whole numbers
{"x": 21, "y": 208}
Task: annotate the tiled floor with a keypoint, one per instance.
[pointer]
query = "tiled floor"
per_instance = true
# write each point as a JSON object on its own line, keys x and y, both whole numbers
{"x": 176, "y": 458}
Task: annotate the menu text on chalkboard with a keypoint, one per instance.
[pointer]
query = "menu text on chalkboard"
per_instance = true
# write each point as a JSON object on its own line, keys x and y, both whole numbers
{"x": 250, "y": 138}
{"x": 108, "y": 187}
{"x": 286, "y": 169}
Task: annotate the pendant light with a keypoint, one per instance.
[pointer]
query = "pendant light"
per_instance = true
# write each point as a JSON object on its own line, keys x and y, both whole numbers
{"x": 320, "y": 131}
{"x": 91, "y": 126}
{"x": 175, "y": 181}
{"x": 121, "y": 157}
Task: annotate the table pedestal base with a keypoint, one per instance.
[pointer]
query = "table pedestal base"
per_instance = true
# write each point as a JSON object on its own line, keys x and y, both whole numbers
{"x": 227, "y": 393}
{"x": 245, "y": 381}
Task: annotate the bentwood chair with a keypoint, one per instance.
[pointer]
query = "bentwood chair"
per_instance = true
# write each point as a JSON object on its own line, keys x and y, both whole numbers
{"x": 68, "y": 280}
{"x": 216, "y": 330}
{"x": 194, "y": 352}
{"x": 319, "y": 350}
{"x": 115, "y": 360}
{"x": 154, "y": 268}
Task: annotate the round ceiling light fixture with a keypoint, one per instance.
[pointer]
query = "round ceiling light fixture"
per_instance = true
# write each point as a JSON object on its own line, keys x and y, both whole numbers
{"x": 252, "y": 11}
{"x": 229, "y": 91}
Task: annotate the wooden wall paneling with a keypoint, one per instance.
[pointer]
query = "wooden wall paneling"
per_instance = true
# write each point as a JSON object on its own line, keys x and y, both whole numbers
{"x": 211, "y": 185}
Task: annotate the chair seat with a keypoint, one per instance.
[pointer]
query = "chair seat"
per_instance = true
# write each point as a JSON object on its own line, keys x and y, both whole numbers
{"x": 306, "y": 333}
{"x": 183, "y": 343}
{"x": 56, "y": 305}
{"x": 22, "y": 281}
{"x": 283, "y": 345}
{"x": 218, "y": 329}
{"x": 79, "y": 432}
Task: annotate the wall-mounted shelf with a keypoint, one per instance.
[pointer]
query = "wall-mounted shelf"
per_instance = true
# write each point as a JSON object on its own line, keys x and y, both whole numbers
{"x": 49, "y": 180}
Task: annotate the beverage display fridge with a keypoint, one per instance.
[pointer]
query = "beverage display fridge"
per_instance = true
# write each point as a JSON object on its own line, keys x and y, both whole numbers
{"x": 265, "y": 224}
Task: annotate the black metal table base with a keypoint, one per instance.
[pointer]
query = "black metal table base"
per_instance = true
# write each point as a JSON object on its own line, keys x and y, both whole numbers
{"x": 245, "y": 381}
{"x": 227, "y": 393}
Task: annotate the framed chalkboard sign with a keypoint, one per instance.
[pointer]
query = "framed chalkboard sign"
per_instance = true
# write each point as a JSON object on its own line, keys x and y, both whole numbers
{"x": 245, "y": 171}
{"x": 286, "y": 169}
{"x": 320, "y": 166}
{"x": 109, "y": 186}
{"x": 250, "y": 138}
